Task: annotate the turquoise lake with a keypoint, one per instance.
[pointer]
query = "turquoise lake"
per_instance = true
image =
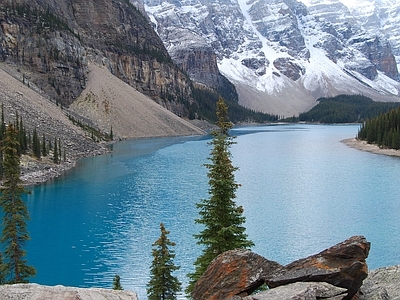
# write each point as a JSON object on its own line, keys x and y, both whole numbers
{"x": 302, "y": 191}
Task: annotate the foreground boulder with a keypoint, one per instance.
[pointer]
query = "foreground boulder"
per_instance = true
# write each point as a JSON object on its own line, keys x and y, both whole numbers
{"x": 301, "y": 290}
{"x": 342, "y": 265}
{"x": 31, "y": 291}
{"x": 382, "y": 284}
{"x": 235, "y": 272}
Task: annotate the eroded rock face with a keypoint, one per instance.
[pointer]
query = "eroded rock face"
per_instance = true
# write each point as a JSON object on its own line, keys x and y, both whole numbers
{"x": 235, "y": 272}
{"x": 54, "y": 54}
{"x": 342, "y": 265}
{"x": 301, "y": 290}
{"x": 289, "y": 68}
{"x": 34, "y": 291}
{"x": 382, "y": 284}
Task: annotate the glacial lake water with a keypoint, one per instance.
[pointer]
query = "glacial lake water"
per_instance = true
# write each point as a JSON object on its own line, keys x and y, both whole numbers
{"x": 302, "y": 191}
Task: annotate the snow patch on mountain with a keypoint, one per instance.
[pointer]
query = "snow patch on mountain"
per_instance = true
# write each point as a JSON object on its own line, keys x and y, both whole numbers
{"x": 284, "y": 54}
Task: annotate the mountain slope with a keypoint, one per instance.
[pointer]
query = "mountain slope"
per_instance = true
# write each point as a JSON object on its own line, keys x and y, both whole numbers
{"x": 281, "y": 55}
{"x": 110, "y": 102}
{"x": 52, "y": 42}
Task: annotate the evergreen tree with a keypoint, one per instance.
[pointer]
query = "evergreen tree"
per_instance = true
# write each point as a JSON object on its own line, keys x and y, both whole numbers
{"x": 55, "y": 152}
{"x": 163, "y": 285}
{"x": 221, "y": 217}
{"x": 59, "y": 149}
{"x": 117, "y": 283}
{"x": 44, "y": 150}
{"x": 36, "y": 144}
{"x": 2, "y": 270}
{"x": 15, "y": 214}
{"x": 2, "y": 135}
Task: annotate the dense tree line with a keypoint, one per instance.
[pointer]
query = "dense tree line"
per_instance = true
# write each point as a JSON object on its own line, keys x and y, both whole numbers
{"x": 346, "y": 109}
{"x": 29, "y": 143}
{"x": 206, "y": 109}
{"x": 383, "y": 130}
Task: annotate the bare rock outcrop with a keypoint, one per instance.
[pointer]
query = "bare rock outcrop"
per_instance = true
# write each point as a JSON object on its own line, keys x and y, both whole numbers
{"x": 343, "y": 265}
{"x": 382, "y": 284}
{"x": 235, "y": 272}
{"x": 335, "y": 273}
{"x": 301, "y": 290}
{"x": 33, "y": 291}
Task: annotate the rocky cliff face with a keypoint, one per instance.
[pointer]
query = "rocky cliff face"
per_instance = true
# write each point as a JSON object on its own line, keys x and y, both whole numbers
{"x": 283, "y": 54}
{"x": 52, "y": 42}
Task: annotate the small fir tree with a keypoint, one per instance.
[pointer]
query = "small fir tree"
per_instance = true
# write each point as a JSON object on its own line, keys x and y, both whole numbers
{"x": 2, "y": 136}
{"x": 36, "y": 144}
{"x": 55, "y": 152}
{"x": 15, "y": 214}
{"x": 221, "y": 218}
{"x": 59, "y": 149}
{"x": 117, "y": 283}
{"x": 163, "y": 285}
{"x": 44, "y": 150}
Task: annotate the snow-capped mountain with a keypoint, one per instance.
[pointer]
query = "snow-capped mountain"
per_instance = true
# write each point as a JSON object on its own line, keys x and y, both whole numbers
{"x": 282, "y": 55}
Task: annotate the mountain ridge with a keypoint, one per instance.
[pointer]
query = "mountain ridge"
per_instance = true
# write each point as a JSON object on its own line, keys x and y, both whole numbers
{"x": 282, "y": 55}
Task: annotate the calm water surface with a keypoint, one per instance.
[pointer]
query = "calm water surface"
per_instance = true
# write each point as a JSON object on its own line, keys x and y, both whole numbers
{"x": 302, "y": 191}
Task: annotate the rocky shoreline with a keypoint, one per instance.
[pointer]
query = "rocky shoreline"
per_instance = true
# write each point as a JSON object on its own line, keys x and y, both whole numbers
{"x": 373, "y": 148}
{"x": 35, "y": 171}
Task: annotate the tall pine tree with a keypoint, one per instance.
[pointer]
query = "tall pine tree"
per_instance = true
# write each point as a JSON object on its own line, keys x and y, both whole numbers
{"x": 15, "y": 214}
{"x": 221, "y": 218}
{"x": 163, "y": 285}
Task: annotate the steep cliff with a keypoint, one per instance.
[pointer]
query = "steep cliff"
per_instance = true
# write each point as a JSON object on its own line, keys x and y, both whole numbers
{"x": 51, "y": 43}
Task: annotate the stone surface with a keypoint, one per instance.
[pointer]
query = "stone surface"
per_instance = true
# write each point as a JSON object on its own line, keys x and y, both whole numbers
{"x": 114, "y": 34}
{"x": 382, "y": 284}
{"x": 235, "y": 272}
{"x": 301, "y": 290}
{"x": 342, "y": 265}
{"x": 40, "y": 292}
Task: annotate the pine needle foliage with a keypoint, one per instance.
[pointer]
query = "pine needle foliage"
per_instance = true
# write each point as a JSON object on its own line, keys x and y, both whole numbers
{"x": 222, "y": 219}
{"x": 117, "y": 283}
{"x": 15, "y": 214}
{"x": 163, "y": 285}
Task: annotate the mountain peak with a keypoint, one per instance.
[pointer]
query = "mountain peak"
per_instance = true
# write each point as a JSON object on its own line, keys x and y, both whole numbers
{"x": 282, "y": 55}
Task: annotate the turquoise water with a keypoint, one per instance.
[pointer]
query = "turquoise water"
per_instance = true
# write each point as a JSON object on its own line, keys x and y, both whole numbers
{"x": 302, "y": 191}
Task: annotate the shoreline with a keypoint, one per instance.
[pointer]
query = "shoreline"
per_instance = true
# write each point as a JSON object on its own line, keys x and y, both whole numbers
{"x": 35, "y": 172}
{"x": 372, "y": 148}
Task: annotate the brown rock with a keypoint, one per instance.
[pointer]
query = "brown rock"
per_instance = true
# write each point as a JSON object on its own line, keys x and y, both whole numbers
{"x": 342, "y": 265}
{"x": 235, "y": 272}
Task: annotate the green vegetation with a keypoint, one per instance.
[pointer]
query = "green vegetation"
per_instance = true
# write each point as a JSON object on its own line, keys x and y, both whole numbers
{"x": 346, "y": 109}
{"x": 43, "y": 20}
{"x": 117, "y": 283}
{"x": 95, "y": 134}
{"x": 206, "y": 100}
{"x": 163, "y": 285}
{"x": 222, "y": 219}
{"x": 14, "y": 268}
{"x": 383, "y": 130}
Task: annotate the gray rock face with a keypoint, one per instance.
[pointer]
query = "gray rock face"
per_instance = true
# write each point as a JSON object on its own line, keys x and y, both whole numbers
{"x": 34, "y": 291}
{"x": 276, "y": 47}
{"x": 54, "y": 53}
{"x": 301, "y": 290}
{"x": 382, "y": 284}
